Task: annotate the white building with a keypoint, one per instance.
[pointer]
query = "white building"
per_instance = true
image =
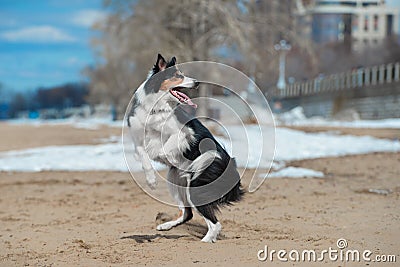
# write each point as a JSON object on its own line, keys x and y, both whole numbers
{"x": 360, "y": 22}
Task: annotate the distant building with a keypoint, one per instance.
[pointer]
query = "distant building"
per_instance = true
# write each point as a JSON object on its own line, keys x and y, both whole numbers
{"x": 358, "y": 23}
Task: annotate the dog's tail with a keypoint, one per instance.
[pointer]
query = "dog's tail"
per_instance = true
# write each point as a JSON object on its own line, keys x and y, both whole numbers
{"x": 236, "y": 193}
{"x": 212, "y": 178}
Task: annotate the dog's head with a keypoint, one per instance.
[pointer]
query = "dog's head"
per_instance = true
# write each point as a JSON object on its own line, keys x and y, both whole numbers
{"x": 168, "y": 80}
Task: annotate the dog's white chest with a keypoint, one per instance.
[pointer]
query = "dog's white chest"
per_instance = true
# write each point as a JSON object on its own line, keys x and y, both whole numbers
{"x": 159, "y": 132}
{"x": 165, "y": 138}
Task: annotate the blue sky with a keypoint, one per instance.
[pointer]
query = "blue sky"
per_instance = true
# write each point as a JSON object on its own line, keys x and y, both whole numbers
{"x": 45, "y": 42}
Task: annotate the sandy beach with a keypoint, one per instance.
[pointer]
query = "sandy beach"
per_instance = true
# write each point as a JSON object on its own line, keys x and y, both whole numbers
{"x": 104, "y": 219}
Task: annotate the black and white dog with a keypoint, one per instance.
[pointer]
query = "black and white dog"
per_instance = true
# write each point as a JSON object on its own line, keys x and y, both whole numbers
{"x": 201, "y": 173}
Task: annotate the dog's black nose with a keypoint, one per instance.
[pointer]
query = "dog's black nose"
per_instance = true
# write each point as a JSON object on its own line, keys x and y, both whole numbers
{"x": 196, "y": 84}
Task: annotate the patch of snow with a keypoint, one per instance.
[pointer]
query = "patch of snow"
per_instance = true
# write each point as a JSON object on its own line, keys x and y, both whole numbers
{"x": 246, "y": 145}
{"x": 296, "y": 117}
{"x": 80, "y": 123}
{"x": 111, "y": 139}
{"x": 295, "y": 172}
{"x": 292, "y": 116}
{"x": 298, "y": 145}
{"x": 104, "y": 157}
{"x": 380, "y": 191}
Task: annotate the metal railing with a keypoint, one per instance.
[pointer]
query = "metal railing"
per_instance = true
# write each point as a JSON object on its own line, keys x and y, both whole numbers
{"x": 361, "y": 77}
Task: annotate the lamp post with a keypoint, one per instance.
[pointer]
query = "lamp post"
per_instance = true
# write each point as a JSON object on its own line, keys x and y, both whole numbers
{"x": 283, "y": 47}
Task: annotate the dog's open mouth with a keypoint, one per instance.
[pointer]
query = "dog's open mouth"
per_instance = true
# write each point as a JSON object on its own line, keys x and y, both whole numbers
{"x": 183, "y": 98}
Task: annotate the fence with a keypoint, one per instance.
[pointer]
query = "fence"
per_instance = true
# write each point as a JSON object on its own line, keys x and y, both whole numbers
{"x": 358, "y": 78}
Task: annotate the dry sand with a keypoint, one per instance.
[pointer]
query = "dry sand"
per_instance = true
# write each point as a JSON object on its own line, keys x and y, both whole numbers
{"x": 29, "y": 136}
{"x": 104, "y": 219}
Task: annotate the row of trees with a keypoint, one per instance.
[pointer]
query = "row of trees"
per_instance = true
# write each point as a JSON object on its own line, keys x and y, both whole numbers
{"x": 58, "y": 97}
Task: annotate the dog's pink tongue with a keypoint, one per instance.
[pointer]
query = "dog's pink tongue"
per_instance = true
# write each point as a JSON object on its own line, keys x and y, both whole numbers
{"x": 187, "y": 99}
{"x": 190, "y": 103}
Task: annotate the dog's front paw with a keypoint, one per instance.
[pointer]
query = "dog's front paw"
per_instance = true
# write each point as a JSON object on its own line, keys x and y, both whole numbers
{"x": 151, "y": 180}
{"x": 152, "y": 184}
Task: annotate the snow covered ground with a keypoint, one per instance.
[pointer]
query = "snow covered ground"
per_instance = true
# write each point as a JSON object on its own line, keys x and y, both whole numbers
{"x": 89, "y": 124}
{"x": 295, "y": 172}
{"x": 65, "y": 158}
{"x": 246, "y": 145}
{"x": 296, "y": 117}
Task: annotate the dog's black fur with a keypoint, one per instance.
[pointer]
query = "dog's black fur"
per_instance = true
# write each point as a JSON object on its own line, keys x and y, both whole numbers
{"x": 224, "y": 168}
{"x": 211, "y": 187}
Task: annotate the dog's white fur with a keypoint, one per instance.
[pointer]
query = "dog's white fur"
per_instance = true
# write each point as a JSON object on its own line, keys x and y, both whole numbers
{"x": 159, "y": 135}
{"x": 156, "y": 135}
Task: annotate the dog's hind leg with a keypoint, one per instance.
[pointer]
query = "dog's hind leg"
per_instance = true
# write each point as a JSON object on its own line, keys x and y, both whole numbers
{"x": 214, "y": 227}
{"x": 185, "y": 214}
{"x": 137, "y": 135}
{"x": 176, "y": 186}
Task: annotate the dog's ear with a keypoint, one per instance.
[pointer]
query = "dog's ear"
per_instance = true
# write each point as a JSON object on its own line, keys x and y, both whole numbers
{"x": 160, "y": 65}
{"x": 171, "y": 62}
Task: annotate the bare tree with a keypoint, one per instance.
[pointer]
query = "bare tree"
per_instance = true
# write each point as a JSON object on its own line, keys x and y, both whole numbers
{"x": 272, "y": 21}
{"x": 191, "y": 30}
{"x": 135, "y": 33}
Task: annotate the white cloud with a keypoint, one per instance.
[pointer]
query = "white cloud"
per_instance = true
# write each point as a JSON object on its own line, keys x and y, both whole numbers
{"x": 88, "y": 17}
{"x": 37, "y": 34}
